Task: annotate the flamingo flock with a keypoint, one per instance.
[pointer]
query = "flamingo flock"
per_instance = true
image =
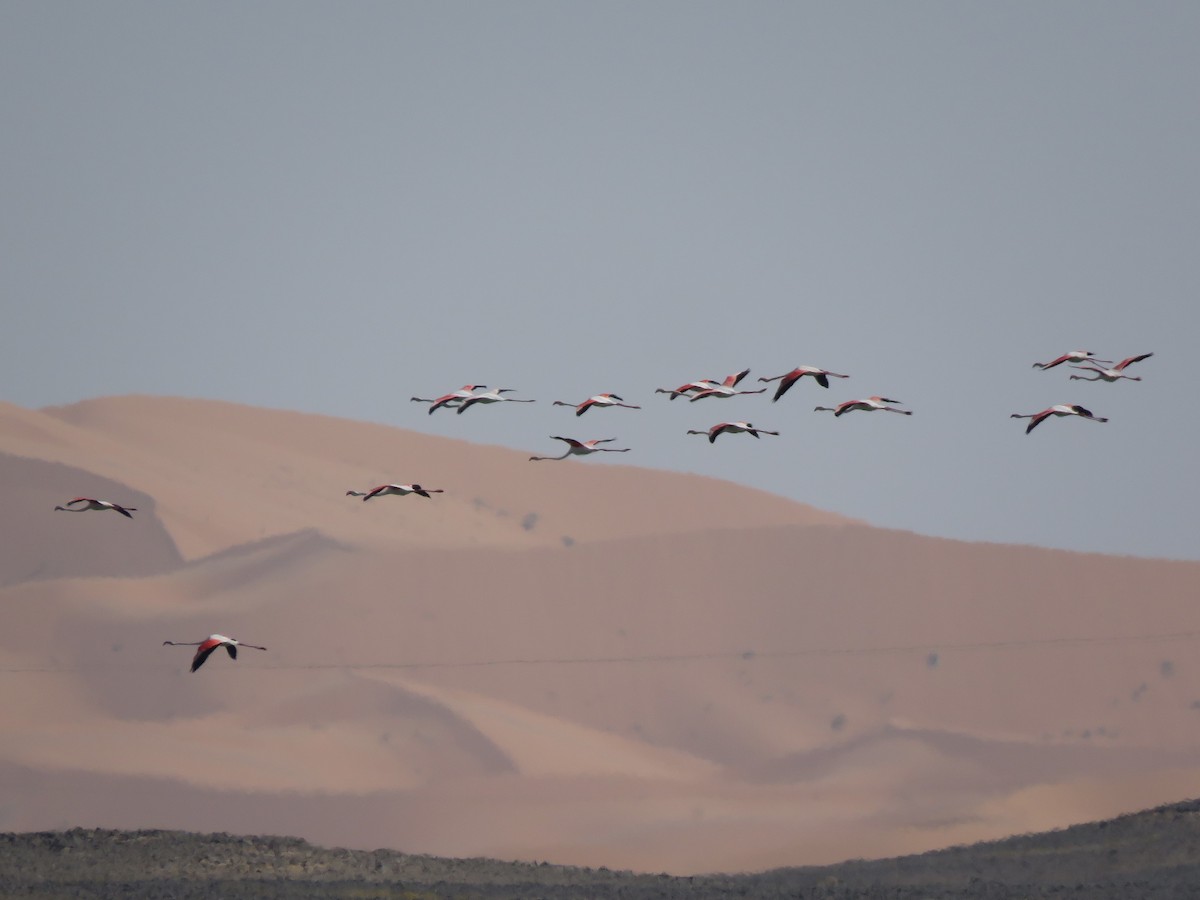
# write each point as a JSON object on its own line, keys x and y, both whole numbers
{"x": 1116, "y": 373}
{"x": 470, "y": 395}
{"x": 1072, "y": 357}
{"x": 454, "y": 398}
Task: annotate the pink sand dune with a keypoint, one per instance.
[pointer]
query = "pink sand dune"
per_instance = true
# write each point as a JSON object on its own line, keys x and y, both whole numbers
{"x": 705, "y": 677}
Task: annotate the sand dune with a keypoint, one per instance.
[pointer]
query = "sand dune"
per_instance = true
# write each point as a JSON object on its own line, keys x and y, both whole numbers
{"x": 258, "y": 473}
{"x": 704, "y": 677}
{"x": 39, "y": 545}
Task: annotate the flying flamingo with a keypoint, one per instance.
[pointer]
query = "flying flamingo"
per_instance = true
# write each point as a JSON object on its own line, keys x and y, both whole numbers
{"x": 399, "y": 490}
{"x": 581, "y": 448}
{"x": 1062, "y": 409}
{"x": 205, "y": 647}
{"x": 726, "y": 388}
{"x": 1072, "y": 356}
{"x": 1114, "y": 374}
{"x": 495, "y": 396}
{"x": 732, "y": 428}
{"x": 721, "y": 390}
{"x": 451, "y": 399}
{"x": 598, "y": 400}
{"x": 702, "y": 385}
{"x": 89, "y": 503}
{"x": 821, "y": 376}
{"x": 869, "y": 405}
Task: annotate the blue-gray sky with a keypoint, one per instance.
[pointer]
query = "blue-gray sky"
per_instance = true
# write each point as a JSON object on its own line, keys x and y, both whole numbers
{"x": 331, "y": 207}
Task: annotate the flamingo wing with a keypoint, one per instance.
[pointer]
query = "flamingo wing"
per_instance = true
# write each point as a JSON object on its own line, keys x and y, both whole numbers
{"x": 204, "y": 651}
{"x": 446, "y": 400}
{"x": 1131, "y": 360}
{"x": 1037, "y": 420}
{"x": 732, "y": 380}
{"x": 1056, "y": 362}
{"x": 785, "y": 384}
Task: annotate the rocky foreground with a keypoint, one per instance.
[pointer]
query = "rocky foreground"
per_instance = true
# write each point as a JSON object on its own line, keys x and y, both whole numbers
{"x": 1155, "y": 853}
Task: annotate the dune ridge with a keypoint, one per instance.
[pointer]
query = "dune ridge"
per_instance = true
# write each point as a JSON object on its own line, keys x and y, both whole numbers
{"x": 263, "y": 471}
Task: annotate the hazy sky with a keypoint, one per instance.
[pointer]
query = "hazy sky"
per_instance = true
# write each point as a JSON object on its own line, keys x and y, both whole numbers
{"x": 331, "y": 207}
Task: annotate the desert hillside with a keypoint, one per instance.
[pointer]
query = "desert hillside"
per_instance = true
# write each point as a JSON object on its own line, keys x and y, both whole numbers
{"x": 591, "y": 664}
{"x": 1144, "y": 854}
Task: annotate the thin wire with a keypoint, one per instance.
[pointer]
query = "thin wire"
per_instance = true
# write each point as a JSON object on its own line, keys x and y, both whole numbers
{"x": 745, "y": 655}
{"x": 749, "y": 655}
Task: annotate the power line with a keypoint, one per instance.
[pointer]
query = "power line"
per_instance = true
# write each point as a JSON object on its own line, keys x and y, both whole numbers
{"x": 750, "y": 655}
{"x": 639, "y": 659}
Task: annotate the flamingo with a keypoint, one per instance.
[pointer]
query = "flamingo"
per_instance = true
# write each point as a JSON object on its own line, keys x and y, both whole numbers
{"x": 732, "y": 428}
{"x": 721, "y": 390}
{"x": 726, "y": 388}
{"x": 705, "y": 384}
{"x": 821, "y": 376}
{"x": 1115, "y": 373}
{"x": 1073, "y": 355}
{"x": 1061, "y": 409}
{"x": 400, "y": 490}
{"x": 495, "y": 396}
{"x": 702, "y": 385}
{"x": 581, "y": 448}
{"x": 205, "y": 647}
{"x": 89, "y": 503}
{"x": 451, "y": 399}
{"x": 597, "y": 400}
{"x": 869, "y": 405}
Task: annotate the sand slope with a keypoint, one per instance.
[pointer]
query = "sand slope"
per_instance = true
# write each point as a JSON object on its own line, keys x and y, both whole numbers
{"x": 704, "y": 677}
{"x": 39, "y": 545}
{"x": 224, "y": 474}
